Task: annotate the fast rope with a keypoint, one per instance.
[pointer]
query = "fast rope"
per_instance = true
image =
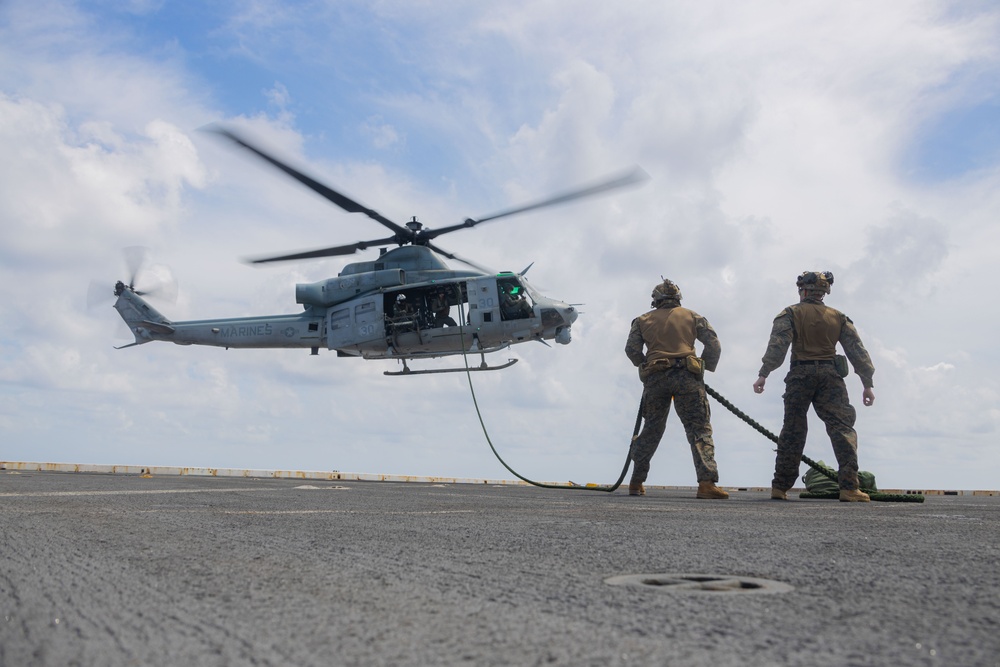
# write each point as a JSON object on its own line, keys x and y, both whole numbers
{"x": 570, "y": 486}
{"x": 821, "y": 469}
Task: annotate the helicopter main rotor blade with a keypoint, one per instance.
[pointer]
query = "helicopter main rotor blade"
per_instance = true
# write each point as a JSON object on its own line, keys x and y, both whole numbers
{"x": 334, "y": 251}
{"x": 328, "y": 193}
{"x": 450, "y": 255}
{"x": 633, "y": 176}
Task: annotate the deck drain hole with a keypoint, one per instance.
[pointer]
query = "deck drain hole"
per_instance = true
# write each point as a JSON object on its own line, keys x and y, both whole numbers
{"x": 700, "y": 583}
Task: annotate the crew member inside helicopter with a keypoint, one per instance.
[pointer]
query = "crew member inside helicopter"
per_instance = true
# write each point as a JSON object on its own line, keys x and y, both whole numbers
{"x": 440, "y": 315}
{"x": 514, "y": 303}
{"x": 404, "y": 316}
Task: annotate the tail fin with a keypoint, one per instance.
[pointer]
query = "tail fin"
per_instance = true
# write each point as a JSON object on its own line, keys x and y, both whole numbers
{"x": 145, "y": 322}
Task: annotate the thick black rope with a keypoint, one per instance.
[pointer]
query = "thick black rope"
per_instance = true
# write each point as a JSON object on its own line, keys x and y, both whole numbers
{"x": 823, "y": 470}
{"x": 570, "y": 486}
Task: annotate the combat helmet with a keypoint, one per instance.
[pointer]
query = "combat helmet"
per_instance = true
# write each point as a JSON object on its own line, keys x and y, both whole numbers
{"x": 815, "y": 281}
{"x": 666, "y": 291}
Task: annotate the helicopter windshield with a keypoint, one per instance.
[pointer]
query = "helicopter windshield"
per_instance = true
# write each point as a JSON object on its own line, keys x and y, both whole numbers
{"x": 532, "y": 292}
{"x": 516, "y": 302}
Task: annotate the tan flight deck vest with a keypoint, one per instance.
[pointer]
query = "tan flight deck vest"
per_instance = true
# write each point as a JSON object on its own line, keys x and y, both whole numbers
{"x": 817, "y": 329}
{"x": 669, "y": 333}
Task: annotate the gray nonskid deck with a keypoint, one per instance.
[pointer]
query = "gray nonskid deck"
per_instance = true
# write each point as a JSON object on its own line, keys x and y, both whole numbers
{"x": 200, "y": 570}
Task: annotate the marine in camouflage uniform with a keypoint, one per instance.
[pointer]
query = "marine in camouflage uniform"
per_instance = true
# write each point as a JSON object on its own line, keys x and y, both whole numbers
{"x": 668, "y": 333}
{"x": 813, "y": 329}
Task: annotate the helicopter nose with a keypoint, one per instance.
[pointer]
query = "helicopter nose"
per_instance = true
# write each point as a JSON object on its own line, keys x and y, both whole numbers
{"x": 558, "y": 314}
{"x": 557, "y": 319}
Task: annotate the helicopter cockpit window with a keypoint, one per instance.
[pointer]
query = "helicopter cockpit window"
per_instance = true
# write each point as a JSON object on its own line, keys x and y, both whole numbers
{"x": 515, "y": 302}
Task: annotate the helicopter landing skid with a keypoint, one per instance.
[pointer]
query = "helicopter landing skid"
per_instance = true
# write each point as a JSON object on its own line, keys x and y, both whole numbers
{"x": 481, "y": 367}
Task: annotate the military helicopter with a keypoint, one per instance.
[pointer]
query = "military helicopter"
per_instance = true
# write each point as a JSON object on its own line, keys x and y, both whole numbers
{"x": 400, "y": 306}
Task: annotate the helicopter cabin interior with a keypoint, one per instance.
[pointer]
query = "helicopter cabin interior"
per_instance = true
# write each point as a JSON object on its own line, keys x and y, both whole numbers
{"x": 430, "y": 306}
{"x": 426, "y": 316}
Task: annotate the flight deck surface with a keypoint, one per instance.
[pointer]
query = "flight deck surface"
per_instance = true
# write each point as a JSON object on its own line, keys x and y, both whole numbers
{"x": 170, "y": 570}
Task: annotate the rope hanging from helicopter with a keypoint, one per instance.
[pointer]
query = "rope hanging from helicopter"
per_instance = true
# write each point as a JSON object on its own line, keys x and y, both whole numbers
{"x": 544, "y": 485}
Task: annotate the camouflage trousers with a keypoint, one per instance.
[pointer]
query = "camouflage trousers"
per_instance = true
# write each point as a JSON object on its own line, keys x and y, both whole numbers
{"x": 821, "y": 387}
{"x": 688, "y": 395}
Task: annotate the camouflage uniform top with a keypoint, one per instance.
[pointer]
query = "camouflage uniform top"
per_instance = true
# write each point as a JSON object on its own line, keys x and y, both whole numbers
{"x": 783, "y": 334}
{"x": 651, "y": 327}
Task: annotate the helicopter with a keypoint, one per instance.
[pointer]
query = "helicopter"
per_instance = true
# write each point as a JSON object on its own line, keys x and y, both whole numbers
{"x": 400, "y": 306}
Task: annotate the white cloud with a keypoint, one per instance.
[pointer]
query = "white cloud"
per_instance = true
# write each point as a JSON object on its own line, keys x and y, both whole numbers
{"x": 383, "y": 135}
{"x": 773, "y": 135}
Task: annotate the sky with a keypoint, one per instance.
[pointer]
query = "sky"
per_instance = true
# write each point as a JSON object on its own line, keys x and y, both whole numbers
{"x": 856, "y": 137}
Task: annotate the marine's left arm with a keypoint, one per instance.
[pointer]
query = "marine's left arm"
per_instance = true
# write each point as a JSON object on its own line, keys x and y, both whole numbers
{"x": 856, "y": 353}
{"x": 713, "y": 348}
{"x": 634, "y": 345}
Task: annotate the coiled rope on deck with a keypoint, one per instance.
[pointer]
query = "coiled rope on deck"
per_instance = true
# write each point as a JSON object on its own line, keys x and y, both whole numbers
{"x": 875, "y": 495}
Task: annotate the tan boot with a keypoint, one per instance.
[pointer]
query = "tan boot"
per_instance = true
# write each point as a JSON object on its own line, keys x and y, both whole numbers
{"x": 709, "y": 491}
{"x": 636, "y": 489}
{"x": 778, "y": 494}
{"x": 854, "y": 496}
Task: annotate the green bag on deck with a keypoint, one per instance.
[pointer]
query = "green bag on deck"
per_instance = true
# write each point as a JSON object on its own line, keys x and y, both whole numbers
{"x": 817, "y": 482}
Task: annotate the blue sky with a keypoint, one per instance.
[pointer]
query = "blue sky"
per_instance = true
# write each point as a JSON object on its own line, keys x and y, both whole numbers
{"x": 957, "y": 142}
{"x": 353, "y": 78}
{"x": 856, "y": 137}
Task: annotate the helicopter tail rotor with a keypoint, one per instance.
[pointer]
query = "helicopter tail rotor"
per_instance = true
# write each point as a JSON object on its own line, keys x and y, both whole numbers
{"x": 144, "y": 279}
{"x": 135, "y": 257}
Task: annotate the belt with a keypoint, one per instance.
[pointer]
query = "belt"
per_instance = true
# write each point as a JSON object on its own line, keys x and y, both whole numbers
{"x": 666, "y": 364}
{"x": 812, "y": 362}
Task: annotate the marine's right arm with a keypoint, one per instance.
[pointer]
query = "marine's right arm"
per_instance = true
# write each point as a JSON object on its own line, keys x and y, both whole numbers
{"x": 777, "y": 346}
{"x": 707, "y": 336}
